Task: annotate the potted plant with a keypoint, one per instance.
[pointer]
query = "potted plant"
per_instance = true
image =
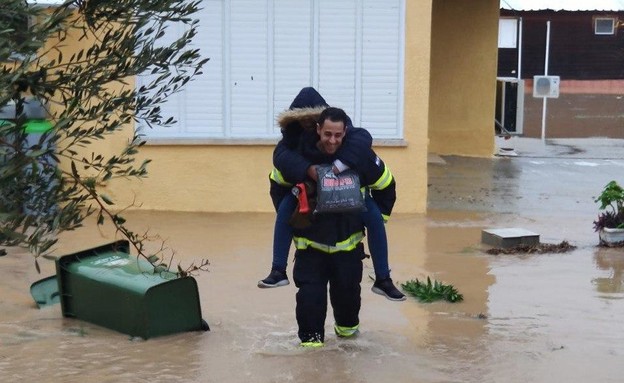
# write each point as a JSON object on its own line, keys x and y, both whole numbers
{"x": 610, "y": 222}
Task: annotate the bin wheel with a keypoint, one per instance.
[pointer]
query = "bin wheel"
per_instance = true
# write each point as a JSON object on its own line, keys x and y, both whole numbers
{"x": 204, "y": 326}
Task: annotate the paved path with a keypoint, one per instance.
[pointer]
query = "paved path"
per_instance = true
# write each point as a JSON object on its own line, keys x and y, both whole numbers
{"x": 596, "y": 148}
{"x": 560, "y": 176}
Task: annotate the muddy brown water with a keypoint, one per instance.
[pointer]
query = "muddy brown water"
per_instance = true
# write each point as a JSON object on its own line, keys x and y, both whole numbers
{"x": 524, "y": 318}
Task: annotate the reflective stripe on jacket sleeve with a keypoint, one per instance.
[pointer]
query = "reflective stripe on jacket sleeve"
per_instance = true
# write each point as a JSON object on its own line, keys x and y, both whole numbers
{"x": 383, "y": 181}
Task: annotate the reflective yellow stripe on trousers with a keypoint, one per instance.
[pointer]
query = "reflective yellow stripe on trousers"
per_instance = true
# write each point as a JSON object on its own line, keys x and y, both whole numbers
{"x": 348, "y": 244}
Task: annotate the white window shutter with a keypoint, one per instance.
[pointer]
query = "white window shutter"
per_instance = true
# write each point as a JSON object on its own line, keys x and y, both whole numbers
{"x": 204, "y": 95}
{"x": 262, "y": 52}
{"x": 381, "y": 68}
{"x": 173, "y": 102}
{"x": 292, "y": 51}
{"x": 337, "y": 53}
{"x": 198, "y": 108}
{"x": 248, "y": 68}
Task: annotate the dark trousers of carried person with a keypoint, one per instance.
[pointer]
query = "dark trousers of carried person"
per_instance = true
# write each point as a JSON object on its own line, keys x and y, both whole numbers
{"x": 315, "y": 268}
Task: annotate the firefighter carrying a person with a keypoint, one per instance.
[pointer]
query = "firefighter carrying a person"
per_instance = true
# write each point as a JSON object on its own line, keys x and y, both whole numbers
{"x": 291, "y": 168}
{"x": 328, "y": 246}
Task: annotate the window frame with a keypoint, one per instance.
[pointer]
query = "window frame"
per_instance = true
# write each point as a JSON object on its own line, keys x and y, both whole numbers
{"x": 614, "y": 23}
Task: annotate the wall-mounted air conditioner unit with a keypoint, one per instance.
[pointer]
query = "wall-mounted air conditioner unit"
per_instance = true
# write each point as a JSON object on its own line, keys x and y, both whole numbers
{"x": 509, "y": 113}
{"x": 546, "y": 86}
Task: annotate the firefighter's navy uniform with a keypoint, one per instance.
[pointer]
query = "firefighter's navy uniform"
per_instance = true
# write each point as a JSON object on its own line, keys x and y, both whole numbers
{"x": 330, "y": 249}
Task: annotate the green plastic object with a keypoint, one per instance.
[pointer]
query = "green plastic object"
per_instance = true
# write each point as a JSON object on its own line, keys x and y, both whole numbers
{"x": 33, "y": 126}
{"x": 45, "y": 292}
{"x": 37, "y": 126}
{"x": 107, "y": 286}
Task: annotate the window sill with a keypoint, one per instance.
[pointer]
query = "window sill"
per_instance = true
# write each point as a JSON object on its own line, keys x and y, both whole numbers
{"x": 386, "y": 142}
{"x": 170, "y": 141}
{"x": 394, "y": 142}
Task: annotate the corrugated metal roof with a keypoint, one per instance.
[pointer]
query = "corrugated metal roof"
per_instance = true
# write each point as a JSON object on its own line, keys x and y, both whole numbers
{"x": 563, "y": 5}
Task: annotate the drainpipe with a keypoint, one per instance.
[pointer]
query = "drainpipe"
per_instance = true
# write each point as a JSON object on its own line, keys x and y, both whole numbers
{"x": 519, "y": 49}
{"x": 545, "y": 74}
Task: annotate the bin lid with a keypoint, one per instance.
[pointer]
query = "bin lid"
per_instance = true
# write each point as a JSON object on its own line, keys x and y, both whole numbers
{"x": 45, "y": 291}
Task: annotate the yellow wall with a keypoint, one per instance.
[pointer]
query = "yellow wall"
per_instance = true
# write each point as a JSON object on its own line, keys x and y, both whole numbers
{"x": 207, "y": 178}
{"x": 463, "y": 77}
{"x": 75, "y": 41}
{"x": 230, "y": 178}
{"x": 409, "y": 164}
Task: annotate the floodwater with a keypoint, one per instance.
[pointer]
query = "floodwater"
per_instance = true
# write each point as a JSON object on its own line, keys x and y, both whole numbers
{"x": 524, "y": 318}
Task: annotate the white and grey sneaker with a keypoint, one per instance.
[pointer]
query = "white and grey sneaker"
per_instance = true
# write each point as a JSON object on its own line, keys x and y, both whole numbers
{"x": 386, "y": 288}
{"x": 275, "y": 279}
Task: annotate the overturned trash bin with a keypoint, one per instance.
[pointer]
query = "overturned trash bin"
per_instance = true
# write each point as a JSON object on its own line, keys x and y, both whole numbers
{"x": 33, "y": 193}
{"x": 109, "y": 287}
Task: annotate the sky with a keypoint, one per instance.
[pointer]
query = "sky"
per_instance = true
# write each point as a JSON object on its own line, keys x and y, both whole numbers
{"x": 566, "y": 5}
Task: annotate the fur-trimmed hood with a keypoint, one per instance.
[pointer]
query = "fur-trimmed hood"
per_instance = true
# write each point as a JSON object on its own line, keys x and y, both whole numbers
{"x": 304, "y": 111}
{"x": 299, "y": 118}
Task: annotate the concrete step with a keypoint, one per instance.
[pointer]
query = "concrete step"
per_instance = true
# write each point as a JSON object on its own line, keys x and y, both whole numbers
{"x": 509, "y": 237}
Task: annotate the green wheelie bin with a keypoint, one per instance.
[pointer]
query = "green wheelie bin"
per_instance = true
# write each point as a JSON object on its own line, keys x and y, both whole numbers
{"x": 109, "y": 287}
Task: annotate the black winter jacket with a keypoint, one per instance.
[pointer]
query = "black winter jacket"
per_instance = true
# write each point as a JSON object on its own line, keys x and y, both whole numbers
{"x": 372, "y": 171}
{"x": 296, "y": 152}
{"x": 302, "y": 116}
